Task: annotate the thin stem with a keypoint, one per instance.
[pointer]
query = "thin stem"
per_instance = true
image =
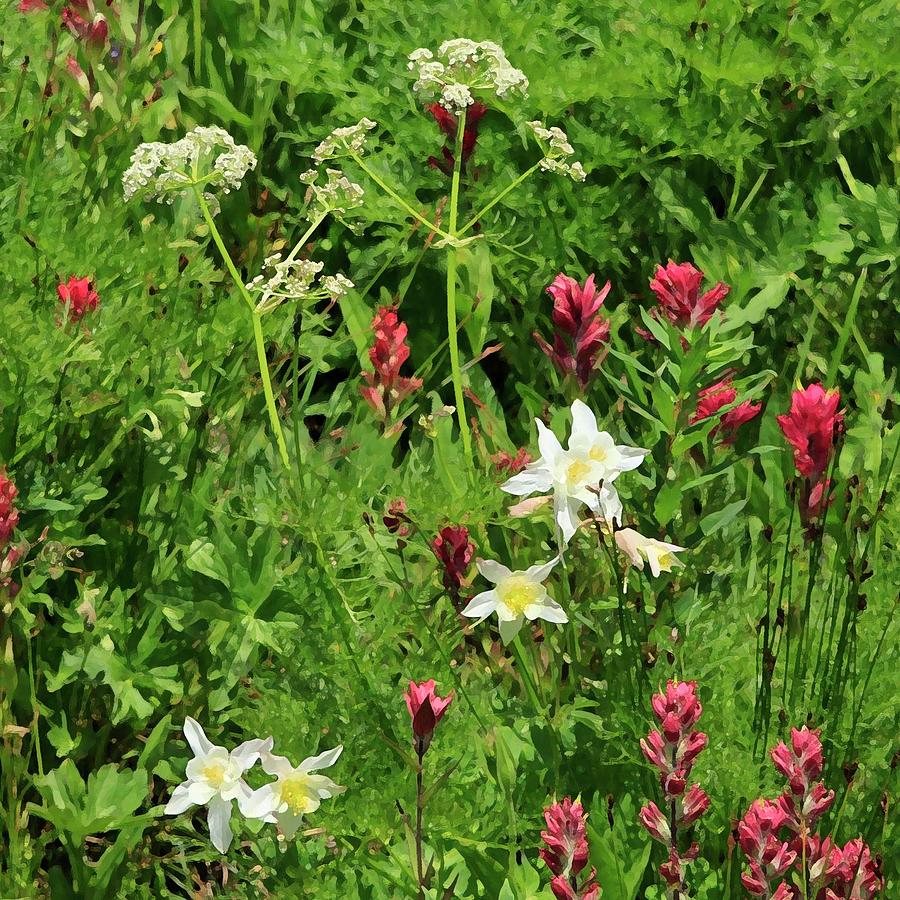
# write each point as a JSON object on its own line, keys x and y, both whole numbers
{"x": 453, "y": 341}
{"x": 306, "y": 236}
{"x": 197, "y": 16}
{"x": 420, "y": 807}
{"x": 492, "y": 203}
{"x": 398, "y": 199}
{"x": 257, "y": 327}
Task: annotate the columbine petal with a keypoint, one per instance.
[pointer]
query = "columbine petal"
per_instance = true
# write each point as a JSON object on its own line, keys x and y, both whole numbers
{"x": 629, "y": 457}
{"x": 276, "y": 765}
{"x": 325, "y": 787}
{"x": 534, "y": 477}
{"x": 492, "y": 570}
{"x": 549, "y": 445}
{"x": 509, "y": 629}
{"x": 200, "y": 792}
{"x": 322, "y": 761}
{"x": 260, "y": 804}
{"x": 584, "y": 424}
{"x": 219, "y": 820}
{"x": 542, "y": 570}
{"x": 180, "y": 800}
{"x": 481, "y": 605}
{"x": 196, "y": 737}
{"x": 566, "y": 511}
{"x": 548, "y": 610}
{"x": 246, "y": 754}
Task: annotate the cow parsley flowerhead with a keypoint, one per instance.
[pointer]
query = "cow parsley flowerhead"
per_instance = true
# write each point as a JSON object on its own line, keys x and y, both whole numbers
{"x": 294, "y": 279}
{"x": 337, "y": 196}
{"x": 207, "y": 157}
{"x": 461, "y": 67}
{"x": 557, "y": 151}
{"x": 346, "y": 141}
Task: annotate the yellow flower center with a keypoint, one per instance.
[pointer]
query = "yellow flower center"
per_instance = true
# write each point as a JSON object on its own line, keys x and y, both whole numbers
{"x": 295, "y": 793}
{"x": 576, "y": 472}
{"x": 518, "y": 593}
{"x": 665, "y": 560}
{"x": 214, "y": 774}
{"x": 598, "y": 454}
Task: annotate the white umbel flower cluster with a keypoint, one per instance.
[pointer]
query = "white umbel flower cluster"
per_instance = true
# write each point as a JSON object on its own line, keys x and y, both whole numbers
{"x": 294, "y": 279}
{"x": 346, "y": 141}
{"x": 204, "y": 156}
{"x": 338, "y": 195}
{"x": 461, "y": 67}
{"x": 557, "y": 151}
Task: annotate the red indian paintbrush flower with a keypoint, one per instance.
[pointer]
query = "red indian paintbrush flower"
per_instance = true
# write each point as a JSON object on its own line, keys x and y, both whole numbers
{"x": 677, "y": 289}
{"x": 672, "y": 751}
{"x": 454, "y": 552}
{"x": 581, "y": 330}
{"x": 713, "y": 398}
{"x": 853, "y": 873}
{"x": 566, "y": 853}
{"x": 426, "y": 709}
{"x": 448, "y": 123}
{"x": 9, "y": 515}
{"x": 507, "y": 464}
{"x": 385, "y": 387}
{"x": 93, "y": 33}
{"x": 811, "y": 426}
{"x": 78, "y": 297}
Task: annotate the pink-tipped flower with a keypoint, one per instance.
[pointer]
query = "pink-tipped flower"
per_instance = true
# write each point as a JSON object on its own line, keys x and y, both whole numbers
{"x": 448, "y": 123}
{"x": 677, "y": 289}
{"x": 853, "y": 873}
{"x": 694, "y": 804}
{"x": 566, "y": 852}
{"x": 78, "y": 297}
{"x": 93, "y": 33}
{"x": 30, "y": 6}
{"x": 811, "y": 427}
{"x": 507, "y": 464}
{"x": 581, "y": 330}
{"x": 385, "y": 387}
{"x": 713, "y": 398}
{"x": 803, "y": 762}
{"x": 454, "y": 552}
{"x": 426, "y": 709}
{"x": 9, "y": 515}
{"x": 677, "y": 709}
{"x": 656, "y": 823}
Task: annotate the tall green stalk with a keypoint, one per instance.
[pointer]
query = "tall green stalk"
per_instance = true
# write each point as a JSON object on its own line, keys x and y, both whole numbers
{"x": 257, "y": 327}
{"x": 452, "y": 337}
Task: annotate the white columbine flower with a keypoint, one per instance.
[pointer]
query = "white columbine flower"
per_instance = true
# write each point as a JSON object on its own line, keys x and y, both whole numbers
{"x": 515, "y": 596}
{"x": 296, "y": 791}
{"x": 557, "y": 150}
{"x": 575, "y": 474}
{"x": 659, "y": 554}
{"x": 464, "y": 66}
{"x": 214, "y": 780}
{"x": 204, "y": 156}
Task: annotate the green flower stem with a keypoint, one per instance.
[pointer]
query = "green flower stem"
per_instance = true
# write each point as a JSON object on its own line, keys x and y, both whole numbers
{"x": 306, "y": 236}
{"x": 491, "y": 204}
{"x": 257, "y": 327}
{"x": 527, "y": 679}
{"x": 398, "y": 199}
{"x": 453, "y": 340}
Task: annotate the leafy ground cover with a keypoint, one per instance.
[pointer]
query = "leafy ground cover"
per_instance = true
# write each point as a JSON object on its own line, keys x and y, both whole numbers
{"x": 492, "y": 497}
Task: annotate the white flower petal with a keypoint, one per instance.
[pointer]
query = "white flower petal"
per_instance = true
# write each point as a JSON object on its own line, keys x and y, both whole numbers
{"x": 508, "y": 630}
{"x": 322, "y": 761}
{"x": 493, "y": 571}
{"x": 532, "y": 479}
{"x": 566, "y": 512}
{"x": 584, "y": 424}
{"x": 246, "y": 754}
{"x": 180, "y": 800}
{"x": 276, "y": 765}
{"x": 540, "y": 572}
{"x": 549, "y": 445}
{"x": 629, "y": 457}
{"x": 549, "y": 610}
{"x": 260, "y": 803}
{"x": 481, "y": 605}
{"x": 196, "y": 737}
{"x": 219, "y": 820}
{"x": 200, "y": 792}
{"x": 325, "y": 787}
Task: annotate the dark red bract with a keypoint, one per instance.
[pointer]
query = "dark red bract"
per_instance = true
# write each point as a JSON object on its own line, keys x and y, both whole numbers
{"x": 448, "y": 123}
{"x": 426, "y": 709}
{"x": 811, "y": 426}
{"x": 77, "y": 296}
{"x": 454, "y": 552}
{"x": 385, "y": 387}
{"x": 677, "y": 289}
